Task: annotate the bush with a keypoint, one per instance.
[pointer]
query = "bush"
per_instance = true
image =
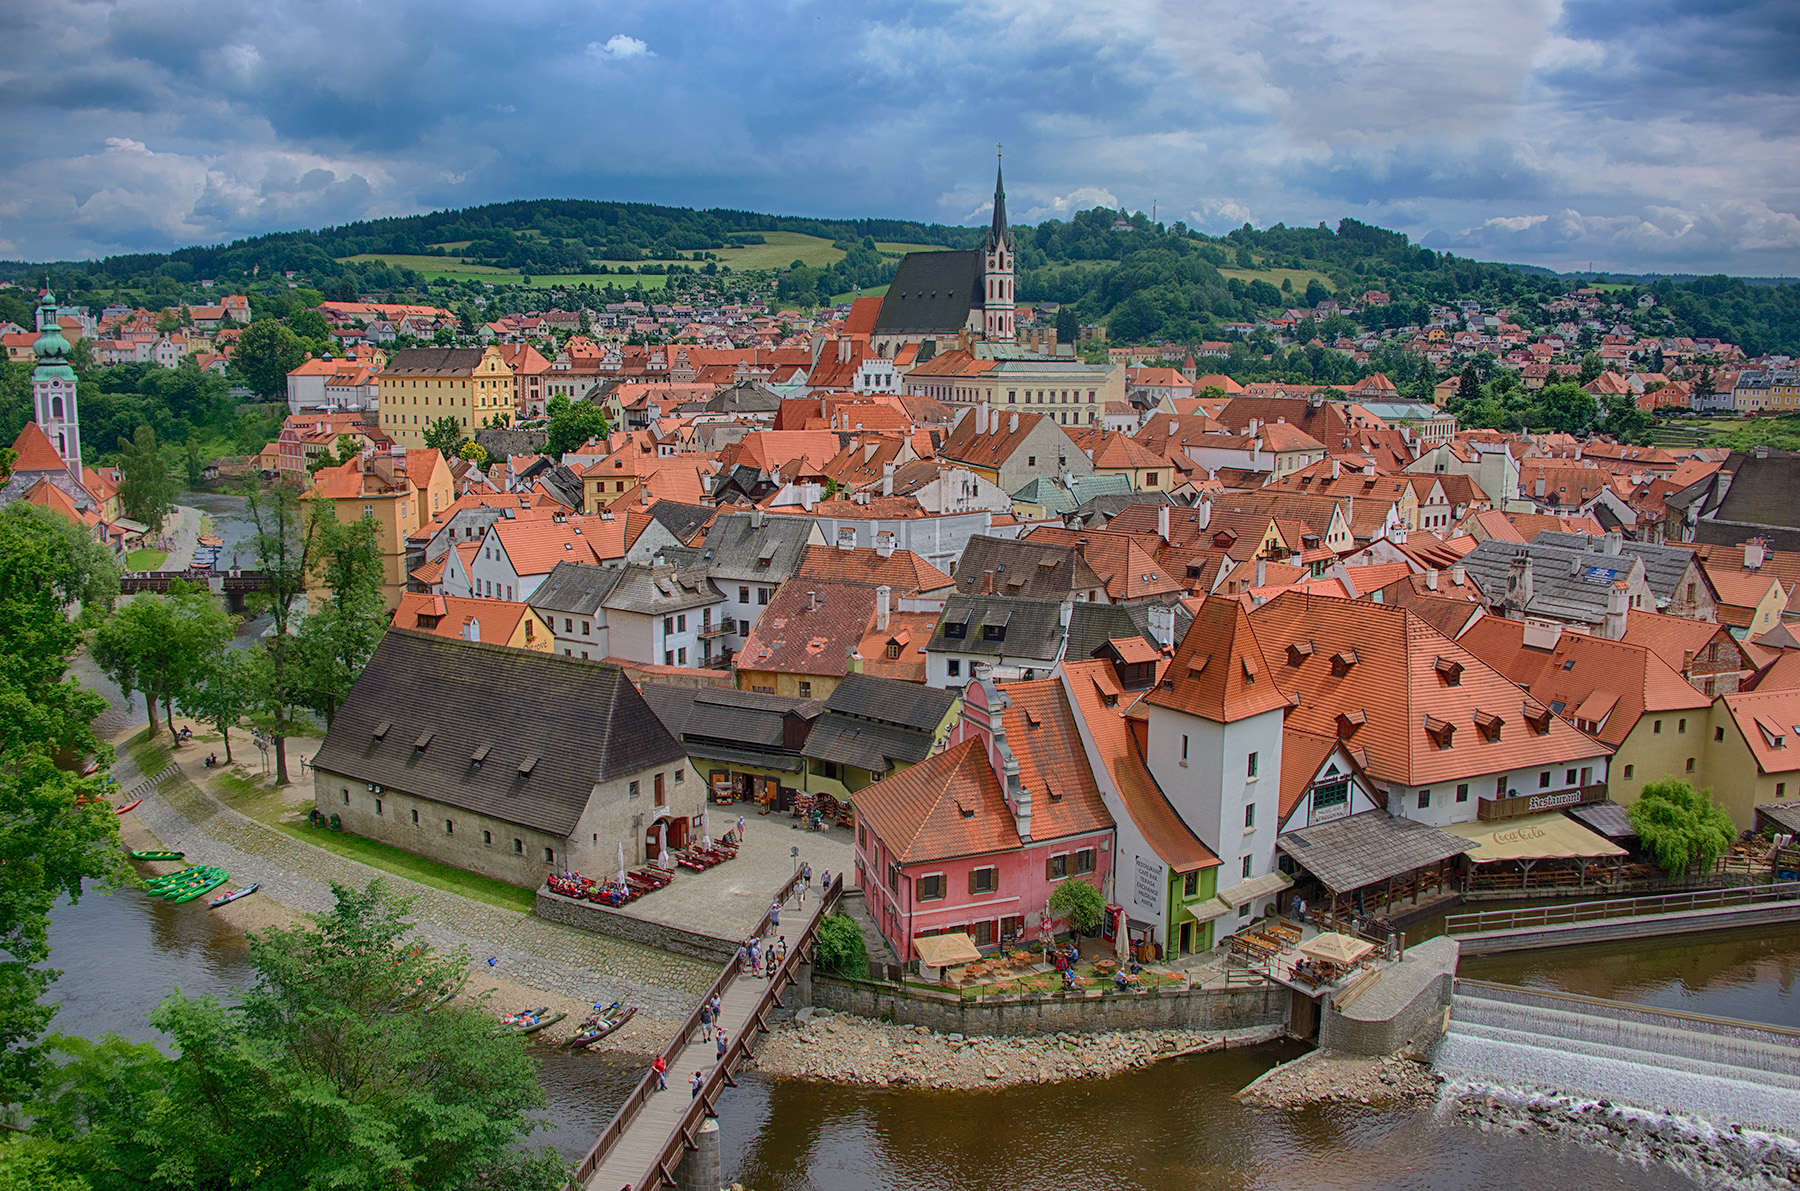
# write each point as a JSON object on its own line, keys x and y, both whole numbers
{"x": 1680, "y": 826}
{"x": 840, "y": 948}
{"x": 1079, "y": 903}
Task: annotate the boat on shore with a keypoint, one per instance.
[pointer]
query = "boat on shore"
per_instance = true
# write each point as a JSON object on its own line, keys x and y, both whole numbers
{"x": 234, "y": 895}
{"x": 595, "y": 1032}
{"x": 130, "y": 806}
{"x": 157, "y": 855}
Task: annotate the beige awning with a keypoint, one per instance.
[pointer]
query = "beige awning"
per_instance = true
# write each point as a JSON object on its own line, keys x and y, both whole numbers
{"x": 1208, "y": 910}
{"x": 946, "y": 951}
{"x": 1546, "y": 836}
{"x": 1246, "y": 892}
{"x": 1338, "y": 949}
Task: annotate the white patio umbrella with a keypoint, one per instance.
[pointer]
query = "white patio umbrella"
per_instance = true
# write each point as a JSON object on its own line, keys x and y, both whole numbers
{"x": 621, "y": 862}
{"x": 705, "y": 828}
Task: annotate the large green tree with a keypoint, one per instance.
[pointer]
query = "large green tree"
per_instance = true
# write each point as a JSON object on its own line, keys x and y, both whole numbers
{"x": 445, "y": 436}
{"x": 571, "y": 424}
{"x": 222, "y": 694}
{"x": 1680, "y": 825}
{"x": 1079, "y": 903}
{"x": 147, "y": 488}
{"x": 333, "y": 1071}
{"x": 284, "y": 538}
{"x": 265, "y": 353}
{"x": 1565, "y": 407}
{"x": 56, "y": 832}
{"x": 161, "y": 645}
{"x": 336, "y": 639}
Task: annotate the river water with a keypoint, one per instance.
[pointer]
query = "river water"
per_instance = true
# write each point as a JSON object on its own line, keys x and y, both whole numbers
{"x": 1173, "y": 1126}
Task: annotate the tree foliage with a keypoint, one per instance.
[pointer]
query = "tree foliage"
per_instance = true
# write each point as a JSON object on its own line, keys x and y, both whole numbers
{"x": 840, "y": 947}
{"x": 571, "y": 424}
{"x": 285, "y": 540}
{"x": 333, "y": 1071}
{"x": 161, "y": 645}
{"x": 445, "y": 436}
{"x": 266, "y": 352}
{"x": 336, "y": 640}
{"x": 56, "y": 831}
{"x": 1078, "y": 903}
{"x": 147, "y": 488}
{"x": 1680, "y": 825}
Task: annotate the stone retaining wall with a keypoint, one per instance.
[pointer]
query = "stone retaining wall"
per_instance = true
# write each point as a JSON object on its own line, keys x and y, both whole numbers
{"x": 1405, "y": 1005}
{"x": 554, "y": 907}
{"x": 1019, "y": 1015}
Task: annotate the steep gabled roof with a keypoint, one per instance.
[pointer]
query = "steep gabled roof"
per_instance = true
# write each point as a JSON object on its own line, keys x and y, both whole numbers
{"x": 948, "y": 806}
{"x": 1384, "y": 662}
{"x": 1219, "y": 672}
{"x": 932, "y": 292}
{"x": 1150, "y": 811}
{"x": 1053, "y": 768}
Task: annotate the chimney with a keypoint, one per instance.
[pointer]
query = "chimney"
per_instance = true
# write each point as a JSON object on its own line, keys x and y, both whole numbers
{"x": 884, "y": 543}
{"x": 1431, "y": 579}
{"x": 1262, "y": 572}
{"x": 1337, "y": 469}
{"x": 1615, "y": 542}
{"x": 1162, "y": 625}
{"x": 1203, "y": 512}
{"x": 987, "y": 583}
{"x": 756, "y": 518}
{"x": 981, "y": 418}
{"x": 1518, "y": 579}
{"x": 812, "y": 601}
{"x": 1456, "y": 575}
{"x": 881, "y": 607}
{"x": 1256, "y": 454}
{"x": 1755, "y": 551}
{"x": 887, "y": 479}
{"x": 1539, "y": 492}
{"x": 807, "y": 499}
{"x": 843, "y": 351}
{"x": 1162, "y": 522}
{"x": 1065, "y": 613}
{"x": 1012, "y": 426}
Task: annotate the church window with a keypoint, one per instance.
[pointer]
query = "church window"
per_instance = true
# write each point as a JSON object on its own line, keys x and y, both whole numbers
{"x": 56, "y": 406}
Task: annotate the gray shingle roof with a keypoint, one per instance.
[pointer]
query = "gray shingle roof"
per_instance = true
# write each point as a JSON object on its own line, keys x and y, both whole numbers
{"x": 432, "y": 361}
{"x": 569, "y": 723}
{"x": 737, "y": 548}
{"x": 684, "y": 521}
{"x": 931, "y": 292}
{"x": 1033, "y": 570}
{"x": 1560, "y": 588}
{"x": 1663, "y": 565}
{"x": 575, "y": 588}
{"x": 1092, "y": 625}
{"x": 892, "y": 701}
{"x": 1033, "y": 627}
{"x": 753, "y": 722}
{"x": 653, "y": 591}
{"x": 1346, "y": 854}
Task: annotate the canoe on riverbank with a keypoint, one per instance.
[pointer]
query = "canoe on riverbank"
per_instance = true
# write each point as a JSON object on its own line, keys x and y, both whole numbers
{"x": 157, "y": 855}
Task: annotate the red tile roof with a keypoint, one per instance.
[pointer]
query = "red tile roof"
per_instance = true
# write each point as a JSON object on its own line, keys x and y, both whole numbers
{"x": 902, "y": 570}
{"x": 36, "y": 451}
{"x": 1219, "y": 671}
{"x": 947, "y": 806}
{"x": 1150, "y": 811}
{"x": 1043, "y": 735}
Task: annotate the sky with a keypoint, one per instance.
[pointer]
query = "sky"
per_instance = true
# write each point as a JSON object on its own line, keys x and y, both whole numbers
{"x": 1636, "y": 135}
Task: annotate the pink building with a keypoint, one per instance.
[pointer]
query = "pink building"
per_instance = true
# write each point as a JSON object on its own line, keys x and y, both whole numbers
{"x": 977, "y": 838}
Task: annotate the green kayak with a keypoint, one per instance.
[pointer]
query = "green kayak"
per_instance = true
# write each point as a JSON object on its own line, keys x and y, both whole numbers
{"x": 156, "y": 855}
{"x": 202, "y": 878}
{"x": 206, "y": 886}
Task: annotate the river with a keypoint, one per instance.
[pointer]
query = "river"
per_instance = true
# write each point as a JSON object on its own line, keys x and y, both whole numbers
{"x": 1173, "y": 1126}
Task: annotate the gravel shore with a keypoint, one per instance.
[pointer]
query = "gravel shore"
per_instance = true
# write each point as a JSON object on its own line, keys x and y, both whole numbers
{"x": 1732, "y": 1156}
{"x": 840, "y": 1048}
{"x": 1323, "y": 1077}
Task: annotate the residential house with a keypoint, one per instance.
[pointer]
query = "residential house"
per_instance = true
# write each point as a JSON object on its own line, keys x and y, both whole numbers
{"x": 422, "y": 385}
{"x": 1016, "y": 637}
{"x": 399, "y": 491}
{"x": 812, "y": 635}
{"x": 498, "y": 622}
{"x": 480, "y": 776}
{"x": 750, "y": 555}
{"x": 1704, "y": 653}
{"x": 571, "y": 601}
{"x": 873, "y": 728}
{"x": 746, "y": 744}
{"x": 665, "y": 615}
{"x": 976, "y": 839}
{"x": 1012, "y": 448}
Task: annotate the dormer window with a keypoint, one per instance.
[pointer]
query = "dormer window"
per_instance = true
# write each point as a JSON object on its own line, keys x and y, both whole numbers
{"x": 1442, "y": 732}
{"x": 1349, "y": 721}
{"x": 1489, "y": 724}
{"x": 1342, "y": 661}
{"x": 1450, "y": 671}
{"x": 956, "y": 629}
{"x": 1298, "y": 652}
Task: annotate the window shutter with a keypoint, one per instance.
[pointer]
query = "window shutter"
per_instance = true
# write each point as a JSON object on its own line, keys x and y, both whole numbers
{"x": 972, "y": 880}
{"x": 1048, "y": 875}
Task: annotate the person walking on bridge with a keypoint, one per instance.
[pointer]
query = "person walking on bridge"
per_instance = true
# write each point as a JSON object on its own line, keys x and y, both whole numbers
{"x": 706, "y": 1021}
{"x": 662, "y": 1070}
{"x": 719, "y": 1038}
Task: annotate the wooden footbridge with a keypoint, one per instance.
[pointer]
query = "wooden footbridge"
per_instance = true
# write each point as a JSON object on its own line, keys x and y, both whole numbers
{"x": 644, "y": 1143}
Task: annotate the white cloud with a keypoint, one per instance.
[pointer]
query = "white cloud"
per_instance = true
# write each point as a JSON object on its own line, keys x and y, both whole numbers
{"x": 620, "y": 46}
{"x": 1061, "y": 206}
{"x": 1219, "y": 214}
{"x": 124, "y": 144}
{"x": 1508, "y": 223}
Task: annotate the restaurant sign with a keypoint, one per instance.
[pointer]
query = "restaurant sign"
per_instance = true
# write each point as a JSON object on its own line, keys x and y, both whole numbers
{"x": 1146, "y": 890}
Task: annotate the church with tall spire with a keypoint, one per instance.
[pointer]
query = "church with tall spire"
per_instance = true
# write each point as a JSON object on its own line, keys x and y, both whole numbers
{"x": 942, "y": 300}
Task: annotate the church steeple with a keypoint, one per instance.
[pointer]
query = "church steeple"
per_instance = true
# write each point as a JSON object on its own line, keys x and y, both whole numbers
{"x": 53, "y": 387}
{"x": 999, "y": 232}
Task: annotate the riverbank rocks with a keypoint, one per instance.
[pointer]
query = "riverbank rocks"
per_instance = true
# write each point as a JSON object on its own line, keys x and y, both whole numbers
{"x": 1324, "y": 1077}
{"x": 1733, "y": 1155}
{"x": 846, "y": 1049}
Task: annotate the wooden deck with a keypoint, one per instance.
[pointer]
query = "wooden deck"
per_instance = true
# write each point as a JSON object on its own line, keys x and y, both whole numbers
{"x": 641, "y": 1146}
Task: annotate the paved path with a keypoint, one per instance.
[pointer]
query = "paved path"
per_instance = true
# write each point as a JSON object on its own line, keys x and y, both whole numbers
{"x": 541, "y": 954}
{"x": 650, "y": 1130}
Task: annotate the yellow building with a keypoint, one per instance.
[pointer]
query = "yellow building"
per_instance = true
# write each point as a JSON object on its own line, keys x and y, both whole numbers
{"x": 1755, "y": 757}
{"x": 423, "y": 384}
{"x": 497, "y": 622}
{"x": 400, "y": 491}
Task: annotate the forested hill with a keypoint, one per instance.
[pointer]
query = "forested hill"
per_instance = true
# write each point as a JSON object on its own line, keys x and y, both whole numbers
{"x": 1144, "y": 281}
{"x": 546, "y": 236}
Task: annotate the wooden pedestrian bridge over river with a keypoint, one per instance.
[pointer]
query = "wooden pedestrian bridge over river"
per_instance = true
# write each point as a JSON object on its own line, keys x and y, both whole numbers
{"x": 1485, "y": 932}
{"x": 654, "y": 1131}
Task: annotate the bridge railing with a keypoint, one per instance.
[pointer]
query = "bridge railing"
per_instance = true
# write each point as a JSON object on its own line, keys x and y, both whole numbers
{"x": 1622, "y": 907}
{"x": 662, "y": 1172}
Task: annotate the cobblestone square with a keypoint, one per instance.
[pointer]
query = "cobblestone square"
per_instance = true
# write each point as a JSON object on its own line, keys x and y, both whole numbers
{"x": 727, "y": 900}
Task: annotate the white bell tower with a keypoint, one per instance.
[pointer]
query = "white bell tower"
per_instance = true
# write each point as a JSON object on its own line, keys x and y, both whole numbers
{"x": 998, "y": 269}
